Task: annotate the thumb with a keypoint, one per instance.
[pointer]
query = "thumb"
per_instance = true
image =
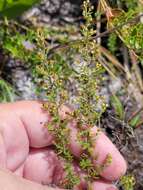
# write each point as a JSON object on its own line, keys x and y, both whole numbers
{"x": 9, "y": 181}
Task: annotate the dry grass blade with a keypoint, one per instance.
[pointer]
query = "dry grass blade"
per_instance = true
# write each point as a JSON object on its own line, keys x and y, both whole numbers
{"x": 112, "y": 58}
{"x": 135, "y": 113}
{"x": 108, "y": 68}
{"x": 136, "y": 70}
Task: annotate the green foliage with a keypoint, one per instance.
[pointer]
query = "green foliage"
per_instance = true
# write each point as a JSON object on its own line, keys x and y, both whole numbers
{"x": 112, "y": 42}
{"x": 130, "y": 4}
{"x": 71, "y": 178}
{"x": 131, "y": 33}
{"x": 118, "y": 107}
{"x": 6, "y": 92}
{"x": 13, "y": 8}
{"x": 135, "y": 121}
{"x": 85, "y": 163}
{"x": 127, "y": 182}
{"x": 133, "y": 37}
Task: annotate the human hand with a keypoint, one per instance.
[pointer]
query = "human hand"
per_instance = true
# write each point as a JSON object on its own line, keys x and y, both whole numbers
{"x": 25, "y": 150}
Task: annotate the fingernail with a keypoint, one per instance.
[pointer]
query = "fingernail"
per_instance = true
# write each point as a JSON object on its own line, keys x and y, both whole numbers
{"x": 111, "y": 188}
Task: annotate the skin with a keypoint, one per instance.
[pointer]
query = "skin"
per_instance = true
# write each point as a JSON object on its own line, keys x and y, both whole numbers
{"x": 27, "y": 160}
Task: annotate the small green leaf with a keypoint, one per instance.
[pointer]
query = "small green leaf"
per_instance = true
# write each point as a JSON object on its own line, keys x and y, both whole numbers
{"x": 134, "y": 121}
{"x": 11, "y": 49}
{"x": 118, "y": 106}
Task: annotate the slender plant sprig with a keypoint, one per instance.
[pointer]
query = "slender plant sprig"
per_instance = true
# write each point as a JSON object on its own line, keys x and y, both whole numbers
{"x": 88, "y": 78}
{"x": 58, "y": 128}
